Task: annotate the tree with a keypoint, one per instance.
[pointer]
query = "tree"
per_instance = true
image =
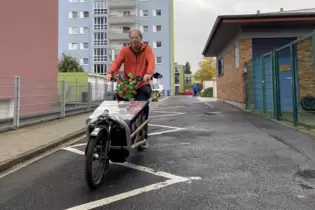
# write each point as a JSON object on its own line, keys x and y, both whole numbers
{"x": 69, "y": 64}
{"x": 206, "y": 70}
{"x": 187, "y": 68}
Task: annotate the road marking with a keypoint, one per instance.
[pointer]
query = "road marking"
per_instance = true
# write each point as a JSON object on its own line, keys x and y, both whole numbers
{"x": 172, "y": 107}
{"x": 164, "y": 126}
{"x": 163, "y": 99}
{"x": 172, "y": 179}
{"x": 167, "y": 115}
{"x": 169, "y": 131}
{"x": 26, "y": 163}
{"x": 121, "y": 196}
{"x": 74, "y": 150}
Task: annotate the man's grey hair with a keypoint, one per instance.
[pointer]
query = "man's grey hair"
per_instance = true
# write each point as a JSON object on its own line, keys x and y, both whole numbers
{"x": 138, "y": 31}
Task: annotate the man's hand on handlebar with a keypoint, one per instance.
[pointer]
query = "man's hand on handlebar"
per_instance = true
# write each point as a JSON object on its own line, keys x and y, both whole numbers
{"x": 108, "y": 77}
{"x": 146, "y": 77}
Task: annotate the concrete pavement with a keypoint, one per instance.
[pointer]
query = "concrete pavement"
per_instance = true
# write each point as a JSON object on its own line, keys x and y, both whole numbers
{"x": 215, "y": 157}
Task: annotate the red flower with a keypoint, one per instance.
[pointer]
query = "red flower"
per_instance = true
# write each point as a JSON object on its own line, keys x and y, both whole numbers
{"x": 121, "y": 95}
{"x": 126, "y": 88}
{"x": 118, "y": 82}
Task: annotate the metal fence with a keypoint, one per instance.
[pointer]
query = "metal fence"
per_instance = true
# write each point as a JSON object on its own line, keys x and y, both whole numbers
{"x": 281, "y": 83}
{"x": 25, "y": 101}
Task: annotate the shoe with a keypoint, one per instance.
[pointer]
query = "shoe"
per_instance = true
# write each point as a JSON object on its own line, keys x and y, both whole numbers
{"x": 145, "y": 145}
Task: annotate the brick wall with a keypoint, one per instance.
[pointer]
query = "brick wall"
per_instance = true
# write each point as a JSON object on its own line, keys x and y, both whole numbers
{"x": 231, "y": 85}
{"x": 306, "y": 72}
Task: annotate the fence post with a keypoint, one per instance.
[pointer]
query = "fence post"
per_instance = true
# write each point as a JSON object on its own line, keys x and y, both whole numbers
{"x": 90, "y": 96}
{"x": 105, "y": 95}
{"x": 277, "y": 86}
{"x": 17, "y": 104}
{"x": 293, "y": 83}
{"x": 263, "y": 76}
{"x": 63, "y": 99}
{"x": 313, "y": 45}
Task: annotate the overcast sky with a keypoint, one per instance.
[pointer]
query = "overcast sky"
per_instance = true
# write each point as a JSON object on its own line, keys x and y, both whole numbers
{"x": 194, "y": 20}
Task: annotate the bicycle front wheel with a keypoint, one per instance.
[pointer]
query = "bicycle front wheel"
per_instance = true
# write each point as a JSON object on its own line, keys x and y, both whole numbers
{"x": 97, "y": 151}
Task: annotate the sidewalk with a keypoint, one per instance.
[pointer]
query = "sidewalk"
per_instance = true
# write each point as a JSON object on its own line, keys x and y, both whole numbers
{"x": 22, "y": 144}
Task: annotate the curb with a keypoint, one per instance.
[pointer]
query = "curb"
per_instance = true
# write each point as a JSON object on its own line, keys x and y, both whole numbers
{"x": 7, "y": 164}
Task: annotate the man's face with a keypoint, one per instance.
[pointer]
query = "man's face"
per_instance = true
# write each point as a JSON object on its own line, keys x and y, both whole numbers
{"x": 135, "y": 39}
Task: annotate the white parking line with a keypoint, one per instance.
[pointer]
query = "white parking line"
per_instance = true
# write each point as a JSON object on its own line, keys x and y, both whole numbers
{"x": 172, "y": 179}
{"x": 167, "y": 115}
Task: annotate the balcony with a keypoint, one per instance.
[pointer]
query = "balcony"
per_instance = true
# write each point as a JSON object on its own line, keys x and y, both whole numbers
{"x": 122, "y": 4}
{"x": 119, "y": 36}
{"x": 118, "y": 20}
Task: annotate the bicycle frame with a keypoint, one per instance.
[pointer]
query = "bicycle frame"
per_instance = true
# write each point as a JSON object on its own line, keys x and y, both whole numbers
{"x": 108, "y": 119}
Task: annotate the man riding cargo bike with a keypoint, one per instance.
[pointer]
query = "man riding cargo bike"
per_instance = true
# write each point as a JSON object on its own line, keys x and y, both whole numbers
{"x": 115, "y": 129}
{"x": 138, "y": 59}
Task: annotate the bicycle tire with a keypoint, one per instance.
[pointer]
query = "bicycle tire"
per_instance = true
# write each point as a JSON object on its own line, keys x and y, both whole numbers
{"x": 92, "y": 184}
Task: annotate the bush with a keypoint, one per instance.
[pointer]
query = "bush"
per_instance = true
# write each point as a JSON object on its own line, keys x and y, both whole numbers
{"x": 207, "y": 93}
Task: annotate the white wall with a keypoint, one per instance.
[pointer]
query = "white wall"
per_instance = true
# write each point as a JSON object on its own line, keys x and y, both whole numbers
{"x": 99, "y": 86}
{"x": 6, "y": 108}
{"x": 213, "y": 84}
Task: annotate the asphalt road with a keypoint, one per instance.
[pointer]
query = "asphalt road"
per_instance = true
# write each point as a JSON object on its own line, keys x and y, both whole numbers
{"x": 226, "y": 159}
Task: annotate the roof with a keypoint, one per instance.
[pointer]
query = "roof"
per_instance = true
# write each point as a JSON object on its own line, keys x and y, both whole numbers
{"x": 261, "y": 17}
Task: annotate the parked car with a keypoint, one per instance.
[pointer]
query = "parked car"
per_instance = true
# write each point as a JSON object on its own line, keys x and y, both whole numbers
{"x": 187, "y": 92}
{"x": 158, "y": 88}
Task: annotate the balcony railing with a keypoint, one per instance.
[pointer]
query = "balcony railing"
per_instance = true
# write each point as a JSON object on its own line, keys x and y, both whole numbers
{"x": 131, "y": 19}
{"x": 122, "y": 4}
{"x": 118, "y": 36}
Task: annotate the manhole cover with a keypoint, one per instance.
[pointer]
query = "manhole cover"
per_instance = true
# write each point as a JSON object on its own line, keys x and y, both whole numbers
{"x": 213, "y": 113}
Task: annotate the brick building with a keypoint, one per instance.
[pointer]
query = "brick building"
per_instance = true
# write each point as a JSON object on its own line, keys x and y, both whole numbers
{"x": 29, "y": 50}
{"x": 236, "y": 39}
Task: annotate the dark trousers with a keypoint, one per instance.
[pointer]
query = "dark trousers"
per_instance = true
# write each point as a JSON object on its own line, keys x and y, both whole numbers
{"x": 144, "y": 94}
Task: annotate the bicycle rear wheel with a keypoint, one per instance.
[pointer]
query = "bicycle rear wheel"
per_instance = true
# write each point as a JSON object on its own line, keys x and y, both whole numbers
{"x": 98, "y": 150}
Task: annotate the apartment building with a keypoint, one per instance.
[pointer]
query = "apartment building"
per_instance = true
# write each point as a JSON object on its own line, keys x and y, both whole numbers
{"x": 94, "y": 31}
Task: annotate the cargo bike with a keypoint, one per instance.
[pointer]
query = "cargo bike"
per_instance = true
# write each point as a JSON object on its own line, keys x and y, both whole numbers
{"x": 113, "y": 131}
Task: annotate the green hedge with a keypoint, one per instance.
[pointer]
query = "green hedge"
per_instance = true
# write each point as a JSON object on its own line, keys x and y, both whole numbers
{"x": 207, "y": 93}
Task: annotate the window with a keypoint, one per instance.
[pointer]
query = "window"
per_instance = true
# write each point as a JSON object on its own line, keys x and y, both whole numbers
{"x": 84, "y": 14}
{"x": 99, "y": 7}
{"x": 158, "y": 60}
{"x": 157, "y": 44}
{"x": 85, "y": 61}
{"x": 157, "y": 28}
{"x": 100, "y": 68}
{"x": 100, "y": 23}
{"x": 73, "y": 30}
{"x": 73, "y": 46}
{"x": 144, "y": 13}
{"x": 145, "y": 28}
{"x": 126, "y": 13}
{"x": 84, "y": 0}
{"x": 73, "y": 1}
{"x": 100, "y": 54}
{"x": 126, "y": 29}
{"x": 84, "y": 46}
{"x": 236, "y": 55}
{"x": 73, "y": 14}
{"x": 220, "y": 67}
{"x": 157, "y": 12}
{"x": 100, "y": 38}
{"x": 84, "y": 30}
